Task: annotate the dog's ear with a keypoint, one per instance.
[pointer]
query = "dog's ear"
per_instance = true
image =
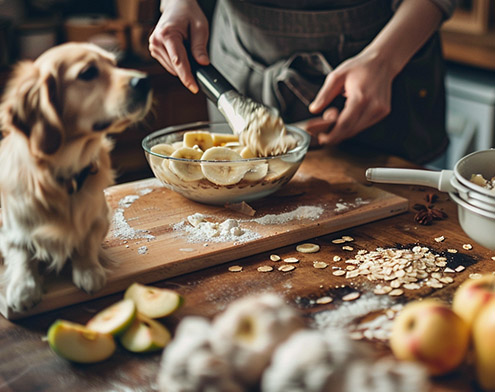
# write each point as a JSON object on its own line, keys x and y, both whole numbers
{"x": 30, "y": 106}
{"x": 47, "y": 135}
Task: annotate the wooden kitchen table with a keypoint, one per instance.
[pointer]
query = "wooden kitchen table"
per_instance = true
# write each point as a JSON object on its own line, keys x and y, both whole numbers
{"x": 28, "y": 364}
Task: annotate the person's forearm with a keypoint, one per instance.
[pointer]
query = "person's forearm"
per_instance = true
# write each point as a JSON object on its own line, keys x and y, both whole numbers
{"x": 412, "y": 25}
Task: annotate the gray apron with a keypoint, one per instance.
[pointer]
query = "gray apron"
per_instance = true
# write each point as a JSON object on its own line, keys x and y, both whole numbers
{"x": 281, "y": 56}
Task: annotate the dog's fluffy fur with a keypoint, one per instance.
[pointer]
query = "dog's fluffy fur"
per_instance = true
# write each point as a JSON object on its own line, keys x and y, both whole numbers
{"x": 55, "y": 115}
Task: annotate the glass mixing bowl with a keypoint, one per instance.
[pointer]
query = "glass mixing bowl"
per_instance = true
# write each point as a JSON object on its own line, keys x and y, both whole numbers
{"x": 220, "y": 181}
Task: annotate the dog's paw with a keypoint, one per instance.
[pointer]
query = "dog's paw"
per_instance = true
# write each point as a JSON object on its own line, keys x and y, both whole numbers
{"x": 89, "y": 279}
{"x": 22, "y": 295}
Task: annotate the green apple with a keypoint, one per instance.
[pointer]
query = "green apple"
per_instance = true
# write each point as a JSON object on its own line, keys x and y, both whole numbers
{"x": 115, "y": 319}
{"x": 145, "y": 335}
{"x": 77, "y": 343}
{"x": 153, "y": 302}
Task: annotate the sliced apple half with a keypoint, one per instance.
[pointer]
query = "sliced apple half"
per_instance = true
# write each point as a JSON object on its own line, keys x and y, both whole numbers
{"x": 77, "y": 343}
{"x": 145, "y": 335}
{"x": 115, "y": 319}
{"x": 153, "y": 302}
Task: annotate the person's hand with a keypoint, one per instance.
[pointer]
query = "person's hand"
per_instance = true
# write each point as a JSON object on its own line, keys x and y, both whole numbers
{"x": 366, "y": 83}
{"x": 181, "y": 20}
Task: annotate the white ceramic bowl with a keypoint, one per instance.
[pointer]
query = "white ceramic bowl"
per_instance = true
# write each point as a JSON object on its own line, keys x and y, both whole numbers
{"x": 479, "y": 162}
{"x": 279, "y": 169}
{"x": 477, "y": 223}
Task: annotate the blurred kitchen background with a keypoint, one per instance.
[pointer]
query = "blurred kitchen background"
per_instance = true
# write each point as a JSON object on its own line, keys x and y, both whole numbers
{"x": 29, "y": 27}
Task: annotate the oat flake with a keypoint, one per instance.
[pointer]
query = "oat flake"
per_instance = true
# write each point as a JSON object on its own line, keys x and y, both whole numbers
{"x": 324, "y": 300}
{"x": 265, "y": 268}
{"x": 286, "y": 268}
{"x": 351, "y": 296}
{"x": 235, "y": 268}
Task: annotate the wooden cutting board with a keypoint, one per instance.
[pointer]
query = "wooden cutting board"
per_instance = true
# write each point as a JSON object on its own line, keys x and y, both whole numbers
{"x": 145, "y": 245}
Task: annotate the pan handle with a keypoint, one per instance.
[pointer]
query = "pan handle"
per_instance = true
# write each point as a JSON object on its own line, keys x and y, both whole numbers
{"x": 435, "y": 179}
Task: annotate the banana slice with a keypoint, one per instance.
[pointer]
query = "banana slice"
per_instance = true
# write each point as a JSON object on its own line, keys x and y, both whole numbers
{"x": 233, "y": 145}
{"x": 308, "y": 248}
{"x": 277, "y": 169}
{"x": 257, "y": 171}
{"x": 221, "y": 139}
{"x": 178, "y": 144}
{"x": 162, "y": 149}
{"x": 186, "y": 171}
{"x": 246, "y": 153}
{"x": 223, "y": 174}
{"x": 202, "y": 139}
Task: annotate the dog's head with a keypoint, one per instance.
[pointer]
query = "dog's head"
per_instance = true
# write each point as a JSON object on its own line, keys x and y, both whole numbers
{"x": 72, "y": 93}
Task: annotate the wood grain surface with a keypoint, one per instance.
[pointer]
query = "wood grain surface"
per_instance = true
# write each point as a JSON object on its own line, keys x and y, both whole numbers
{"x": 28, "y": 364}
{"x": 143, "y": 245}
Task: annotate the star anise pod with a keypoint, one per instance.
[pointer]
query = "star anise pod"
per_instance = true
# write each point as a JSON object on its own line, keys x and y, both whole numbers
{"x": 431, "y": 198}
{"x": 426, "y": 215}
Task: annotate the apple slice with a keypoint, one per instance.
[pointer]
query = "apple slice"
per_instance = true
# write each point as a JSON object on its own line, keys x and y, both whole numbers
{"x": 145, "y": 335}
{"x": 115, "y": 319}
{"x": 153, "y": 302}
{"x": 77, "y": 343}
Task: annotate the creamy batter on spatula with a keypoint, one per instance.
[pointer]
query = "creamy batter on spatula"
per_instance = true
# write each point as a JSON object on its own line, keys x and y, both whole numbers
{"x": 257, "y": 126}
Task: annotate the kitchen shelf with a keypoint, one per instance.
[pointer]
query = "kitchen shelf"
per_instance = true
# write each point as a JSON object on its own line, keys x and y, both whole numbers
{"x": 477, "y": 50}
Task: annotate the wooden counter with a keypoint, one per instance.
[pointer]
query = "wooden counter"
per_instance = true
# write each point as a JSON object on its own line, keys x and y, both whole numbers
{"x": 27, "y": 363}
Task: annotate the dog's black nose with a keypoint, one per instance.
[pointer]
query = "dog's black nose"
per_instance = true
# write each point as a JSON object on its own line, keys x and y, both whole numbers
{"x": 141, "y": 85}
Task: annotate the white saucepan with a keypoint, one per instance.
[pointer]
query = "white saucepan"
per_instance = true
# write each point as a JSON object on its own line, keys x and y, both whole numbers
{"x": 476, "y": 205}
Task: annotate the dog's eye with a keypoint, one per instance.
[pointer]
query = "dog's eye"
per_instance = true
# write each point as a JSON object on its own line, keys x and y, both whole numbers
{"x": 89, "y": 73}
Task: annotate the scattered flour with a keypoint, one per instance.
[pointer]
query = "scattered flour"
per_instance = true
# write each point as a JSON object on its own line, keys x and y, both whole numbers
{"x": 121, "y": 228}
{"x": 143, "y": 250}
{"x": 348, "y": 312}
{"x": 123, "y": 231}
{"x": 201, "y": 230}
{"x": 345, "y": 205}
{"x": 126, "y": 201}
{"x": 145, "y": 191}
{"x": 302, "y": 212}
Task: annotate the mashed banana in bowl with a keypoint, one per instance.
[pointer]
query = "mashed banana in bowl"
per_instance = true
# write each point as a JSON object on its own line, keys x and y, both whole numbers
{"x": 489, "y": 184}
{"x": 204, "y": 163}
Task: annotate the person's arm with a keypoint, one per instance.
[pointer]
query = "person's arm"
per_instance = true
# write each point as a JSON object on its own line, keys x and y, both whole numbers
{"x": 366, "y": 79}
{"x": 181, "y": 20}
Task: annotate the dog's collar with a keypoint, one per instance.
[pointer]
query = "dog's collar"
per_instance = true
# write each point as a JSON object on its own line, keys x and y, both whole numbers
{"x": 75, "y": 182}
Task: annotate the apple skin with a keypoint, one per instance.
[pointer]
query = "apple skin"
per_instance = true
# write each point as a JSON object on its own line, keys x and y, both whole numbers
{"x": 472, "y": 296}
{"x": 431, "y": 333}
{"x": 115, "y": 319}
{"x": 153, "y": 302}
{"x": 77, "y": 343}
{"x": 145, "y": 335}
{"x": 483, "y": 334}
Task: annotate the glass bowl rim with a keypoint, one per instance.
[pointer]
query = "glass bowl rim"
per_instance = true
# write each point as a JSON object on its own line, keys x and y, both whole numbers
{"x": 183, "y": 127}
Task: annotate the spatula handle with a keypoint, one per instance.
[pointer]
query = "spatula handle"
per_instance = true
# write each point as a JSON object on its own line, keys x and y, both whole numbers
{"x": 210, "y": 80}
{"x": 435, "y": 179}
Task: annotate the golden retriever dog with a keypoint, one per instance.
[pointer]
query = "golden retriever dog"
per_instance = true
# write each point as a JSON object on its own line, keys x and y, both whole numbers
{"x": 55, "y": 115}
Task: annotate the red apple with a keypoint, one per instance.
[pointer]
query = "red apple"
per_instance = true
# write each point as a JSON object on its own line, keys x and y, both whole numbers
{"x": 472, "y": 296}
{"x": 483, "y": 333}
{"x": 431, "y": 333}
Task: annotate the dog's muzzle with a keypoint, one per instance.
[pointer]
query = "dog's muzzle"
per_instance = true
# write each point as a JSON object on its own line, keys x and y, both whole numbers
{"x": 140, "y": 88}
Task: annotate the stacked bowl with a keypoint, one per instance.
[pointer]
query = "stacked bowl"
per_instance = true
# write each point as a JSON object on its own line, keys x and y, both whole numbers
{"x": 470, "y": 186}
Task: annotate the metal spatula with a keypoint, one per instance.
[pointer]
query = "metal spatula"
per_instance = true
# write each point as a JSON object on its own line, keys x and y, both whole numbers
{"x": 235, "y": 107}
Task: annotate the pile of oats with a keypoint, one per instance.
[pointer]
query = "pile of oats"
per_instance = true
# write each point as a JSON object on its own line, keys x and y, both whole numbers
{"x": 398, "y": 269}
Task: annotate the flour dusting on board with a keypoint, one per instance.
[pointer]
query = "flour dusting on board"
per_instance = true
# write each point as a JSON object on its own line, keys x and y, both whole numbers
{"x": 342, "y": 206}
{"x": 121, "y": 228}
{"x": 201, "y": 228}
{"x": 302, "y": 212}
